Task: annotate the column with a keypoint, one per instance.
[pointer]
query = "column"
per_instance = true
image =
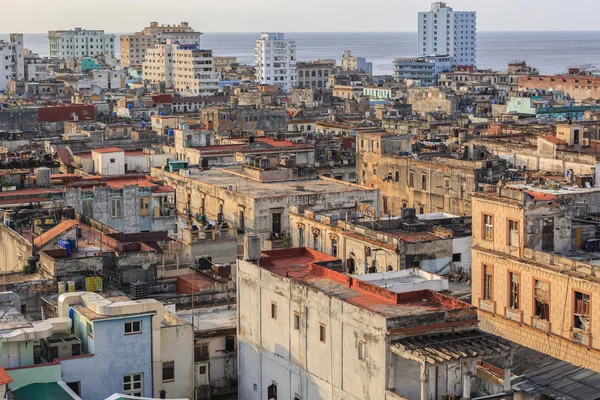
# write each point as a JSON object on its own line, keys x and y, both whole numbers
{"x": 424, "y": 382}
{"x": 466, "y": 382}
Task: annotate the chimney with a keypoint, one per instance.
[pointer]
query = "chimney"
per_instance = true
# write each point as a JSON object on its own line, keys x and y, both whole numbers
{"x": 252, "y": 248}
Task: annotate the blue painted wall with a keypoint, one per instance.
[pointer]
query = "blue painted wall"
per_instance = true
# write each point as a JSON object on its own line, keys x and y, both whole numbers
{"x": 115, "y": 355}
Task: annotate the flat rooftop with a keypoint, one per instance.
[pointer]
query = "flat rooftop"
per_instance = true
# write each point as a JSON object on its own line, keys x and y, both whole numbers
{"x": 12, "y": 319}
{"x": 211, "y": 318}
{"x": 233, "y": 177}
{"x": 305, "y": 266}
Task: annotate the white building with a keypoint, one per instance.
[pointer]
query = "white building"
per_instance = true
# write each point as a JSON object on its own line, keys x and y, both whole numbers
{"x": 276, "y": 60}
{"x": 109, "y": 161}
{"x": 443, "y": 31}
{"x": 423, "y": 71}
{"x": 182, "y": 67}
{"x": 12, "y": 63}
{"x": 79, "y": 43}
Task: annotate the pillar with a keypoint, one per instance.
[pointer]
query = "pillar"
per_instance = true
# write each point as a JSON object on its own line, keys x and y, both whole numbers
{"x": 466, "y": 382}
{"x": 424, "y": 382}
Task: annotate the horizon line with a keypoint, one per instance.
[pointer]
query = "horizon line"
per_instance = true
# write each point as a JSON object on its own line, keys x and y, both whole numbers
{"x": 293, "y": 32}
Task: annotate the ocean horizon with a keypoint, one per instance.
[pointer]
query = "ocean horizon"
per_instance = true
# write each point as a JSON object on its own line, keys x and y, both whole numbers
{"x": 550, "y": 51}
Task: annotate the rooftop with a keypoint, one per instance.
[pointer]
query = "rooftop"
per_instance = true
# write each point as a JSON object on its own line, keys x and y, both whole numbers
{"x": 12, "y": 319}
{"x": 306, "y": 267}
{"x": 234, "y": 178}
{"x": 211, "y": 318}
{"x": 107, "y": 150}
{"x": 53, "y": 233}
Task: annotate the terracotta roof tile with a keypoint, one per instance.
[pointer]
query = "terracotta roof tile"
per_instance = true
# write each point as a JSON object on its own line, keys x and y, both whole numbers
{"x": 4, "y": 377}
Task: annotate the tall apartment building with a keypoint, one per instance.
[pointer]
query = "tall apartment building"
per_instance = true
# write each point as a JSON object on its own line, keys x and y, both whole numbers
{"x": 276, "y": 60}
{"x": 12, "y": 62}
{"x": 356, "y": 64}
{"x": 443, "y": 31}
{"x": 79, "y": 43}
{"x": 133, "y": 47}
{"x": 182, "y": 67}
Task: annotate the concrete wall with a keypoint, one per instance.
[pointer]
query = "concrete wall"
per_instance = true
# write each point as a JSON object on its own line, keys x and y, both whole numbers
{"x": 14, "y": 249}
{"x": 271, "y": 350}
{"x": 177, "y": 341}
{"x": 100, "y": 375}
{"x": 46, "y": 373}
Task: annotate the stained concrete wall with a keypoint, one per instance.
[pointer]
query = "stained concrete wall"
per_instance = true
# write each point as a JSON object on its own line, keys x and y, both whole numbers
{"x": 271, "y": 350}
{"x": 14, "y": 250}
{"x": 177, "y": 341}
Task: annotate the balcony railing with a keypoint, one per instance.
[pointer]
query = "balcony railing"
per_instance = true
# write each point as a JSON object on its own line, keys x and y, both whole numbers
{"x": 541, "y": 324}
{"x": 581, "y": 337}
{"x": 514, "y": 315}
{"x": 487, "y": 305}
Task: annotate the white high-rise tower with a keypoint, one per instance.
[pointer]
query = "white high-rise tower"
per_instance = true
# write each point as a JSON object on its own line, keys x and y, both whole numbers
{"x": 443, "y": 31}
{"x": 276, "y": 60}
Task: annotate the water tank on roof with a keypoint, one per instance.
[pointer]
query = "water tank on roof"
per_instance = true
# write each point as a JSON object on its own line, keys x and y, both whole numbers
{"x": 170, "y": 132}
{"x": 42, "y": 177}
{"x": 143, "y": 124}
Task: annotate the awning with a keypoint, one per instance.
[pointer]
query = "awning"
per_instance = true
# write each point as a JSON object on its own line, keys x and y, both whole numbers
{"x": 449, "y": 347}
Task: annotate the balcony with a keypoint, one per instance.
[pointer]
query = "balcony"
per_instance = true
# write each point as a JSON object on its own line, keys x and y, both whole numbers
{"x": 581, "y": 337}
{"x": 487, "y": 305}
{"x": 540, "y": 324}
{"x": 514, "y": 315}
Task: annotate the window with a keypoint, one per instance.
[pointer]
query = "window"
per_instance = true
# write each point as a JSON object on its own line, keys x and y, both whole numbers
{"x": 323, "y": 333}
{"x": 115, "y": 209}
{"x": 457, "y": 257}
{"x": 447, "y": 183}
{"x": 514, "y": 301}
{"x": 89, "y": 329}
{"x": 581, "y": 311}
{"x": 273, "y": 310}
{"x": 334, "y": 247}
{"x": 168, "y": 371}
{"x": 315, "y": 241}
{"x": 272, "y": 391}
{"x": 296, "y": 321}
{"x": 112, "y": 160}
{"x": 200, "y": 351}
{"x": 541, "y": 300}
{"x": 229, "y": 343}
{"x": 411, "y": 180}
{"x": 132, "y": 384}
{"x": 300, "y": 237}
{"x": 488, "y": 282}
{"x": 361, "y": 350}
{"x": 423, "y": 182}
{"x": 133, "y": 327}
{"x": 144, "y": 206}
{"x": 202, "y": 369}
{"x": 488, "y": 227}
{"x": 513, "y": 233}
{"x": 397, "y": 176}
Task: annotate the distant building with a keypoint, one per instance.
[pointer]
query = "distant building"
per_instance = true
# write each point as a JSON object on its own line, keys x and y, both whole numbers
{"x": 314, "y": 75}
{"x": 356, "y": 64}
{"x": 445, "y": 31}
{"x": 276, "y": 60}
{"x": 78, "y": 43}
{"x": 423, "y": 70}
{"x": 223, "y": 63}
{"x": 185, "y": 68}
{"x": 12, "y": 65}
{"x": 133, "y": 47}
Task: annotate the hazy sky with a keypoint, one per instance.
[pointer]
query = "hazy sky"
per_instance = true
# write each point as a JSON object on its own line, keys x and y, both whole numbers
{"x": 290, "y": 16}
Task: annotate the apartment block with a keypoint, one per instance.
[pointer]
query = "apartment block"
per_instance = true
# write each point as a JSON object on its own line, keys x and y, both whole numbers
{"x": 534, "y": 256}
{"x": 78, "y": 43}
{"x": 314, "y": 75}
{"x": 12, "y": 62}
{"x": 133, "y": 47}
{"x": 443, "y": 31}
{"x": 308, "y": 331}
{"x": 356, "y": 64}
{"x": 276, "y": 61}
{"x": 185, "y": 68}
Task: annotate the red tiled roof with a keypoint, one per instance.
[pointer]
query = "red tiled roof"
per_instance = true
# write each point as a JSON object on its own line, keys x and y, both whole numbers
{"x": 24, "y": 200}
{"x": 5, "y": 379}
{"x": 164, "y": 189}
{"x": 553, "y": 139}
{"x": 55, "y": 232}
{"x": 108, "y": 150}
{"x": 537, "y": 196}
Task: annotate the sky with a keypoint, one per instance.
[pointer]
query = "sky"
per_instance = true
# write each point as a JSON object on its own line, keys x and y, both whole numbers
{"x": 37, "y": 16}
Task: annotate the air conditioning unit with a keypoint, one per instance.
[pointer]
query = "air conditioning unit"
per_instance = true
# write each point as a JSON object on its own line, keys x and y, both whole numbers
{"x": 61, "y": 347}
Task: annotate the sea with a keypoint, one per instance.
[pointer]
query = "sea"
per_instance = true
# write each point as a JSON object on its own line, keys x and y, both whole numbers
{"x": 551, "y": 52}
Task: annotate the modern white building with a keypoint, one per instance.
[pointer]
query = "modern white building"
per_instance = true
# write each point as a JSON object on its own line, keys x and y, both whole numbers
{"x": 443, "y": 31}
{"x": 182, "y": 67}
{"x": 79, "y": 43}
{"x": 12, "y": 63}
{"x": 423, "y": 71}
{"x": 276, "y": 60}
